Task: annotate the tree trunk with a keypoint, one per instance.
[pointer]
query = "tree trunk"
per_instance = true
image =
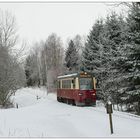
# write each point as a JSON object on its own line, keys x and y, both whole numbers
{"x": 117, "y": 107}
{"x": 121, "y": 108}
{"x": 138, "y": 107}
{"x": 113, "y": 107}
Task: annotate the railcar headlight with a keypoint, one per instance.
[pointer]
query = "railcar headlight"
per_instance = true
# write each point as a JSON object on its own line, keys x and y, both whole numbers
{"x": 93, "y": 94}
{"x": 80, "y": 94}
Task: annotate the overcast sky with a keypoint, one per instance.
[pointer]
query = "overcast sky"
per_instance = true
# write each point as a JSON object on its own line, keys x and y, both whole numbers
{"x": 38, "y": 20}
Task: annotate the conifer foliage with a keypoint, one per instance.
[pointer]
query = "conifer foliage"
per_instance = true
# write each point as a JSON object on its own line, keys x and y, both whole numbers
{"x": 71, "y": 57}
{"x": 134, "y": 55}
{"x": 91, "y": 54}
{"x": 112, "y": 51}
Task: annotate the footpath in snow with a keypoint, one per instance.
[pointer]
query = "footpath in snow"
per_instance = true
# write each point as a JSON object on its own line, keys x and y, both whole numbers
{"x": 46, "y": 117}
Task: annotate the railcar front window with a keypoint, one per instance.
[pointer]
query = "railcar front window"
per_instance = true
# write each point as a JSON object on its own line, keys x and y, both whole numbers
{"x": 86, "y": 83}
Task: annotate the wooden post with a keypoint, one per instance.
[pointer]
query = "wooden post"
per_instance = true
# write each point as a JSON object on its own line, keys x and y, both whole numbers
{"x": 110, "y": 111}
{"x": 16, "y": 105}
{"x": 111, "y": 125}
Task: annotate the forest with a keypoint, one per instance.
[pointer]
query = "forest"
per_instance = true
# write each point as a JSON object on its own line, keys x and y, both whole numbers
{"x": 111, "y": 51}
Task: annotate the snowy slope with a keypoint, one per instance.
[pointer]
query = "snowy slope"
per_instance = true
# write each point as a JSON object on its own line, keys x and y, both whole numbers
{"x": 48, "y": 118}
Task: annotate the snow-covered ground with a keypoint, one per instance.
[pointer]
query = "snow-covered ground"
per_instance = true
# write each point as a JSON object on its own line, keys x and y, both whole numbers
{"x": 46, "y": 117}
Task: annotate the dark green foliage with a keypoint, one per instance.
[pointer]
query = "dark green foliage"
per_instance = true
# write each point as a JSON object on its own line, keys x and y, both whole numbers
{"x": 91, "y": 53}
{"x": 133, "y": 36}
{"x": 114, "y": 29}
{"x": 71, "y": 57}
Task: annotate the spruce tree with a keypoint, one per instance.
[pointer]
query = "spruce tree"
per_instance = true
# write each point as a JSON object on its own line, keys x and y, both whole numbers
{"x": 133, "y": 36}
{"x": 91, "y": 53}
{"x": 113, "y": 58}
{"x": 71, "y": 57}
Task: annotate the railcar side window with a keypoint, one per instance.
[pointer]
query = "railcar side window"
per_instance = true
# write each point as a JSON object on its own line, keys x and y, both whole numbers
{"x": 86, "y": 83}
{"x": 66, "y": 84}
{"x": 58, "y": 84}
{"x": 73, "y": 82}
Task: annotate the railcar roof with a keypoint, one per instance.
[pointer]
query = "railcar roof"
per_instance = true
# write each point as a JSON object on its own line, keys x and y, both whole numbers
{"x": 72, "y": 75}
{"x": 68, "y": 75}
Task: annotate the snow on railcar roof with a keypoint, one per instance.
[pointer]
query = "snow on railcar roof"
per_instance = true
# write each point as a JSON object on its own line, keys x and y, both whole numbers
{"x": 68, "y": 75}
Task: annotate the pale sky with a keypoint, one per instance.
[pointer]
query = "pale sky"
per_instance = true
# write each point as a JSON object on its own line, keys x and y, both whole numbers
{"x": 36, "y": 21}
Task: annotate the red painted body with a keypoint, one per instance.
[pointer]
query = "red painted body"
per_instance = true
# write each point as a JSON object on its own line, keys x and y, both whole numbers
{"x": 88, "y": 97}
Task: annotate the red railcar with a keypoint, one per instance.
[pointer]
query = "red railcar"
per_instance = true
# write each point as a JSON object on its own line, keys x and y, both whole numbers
{"x": 77, "y": 89}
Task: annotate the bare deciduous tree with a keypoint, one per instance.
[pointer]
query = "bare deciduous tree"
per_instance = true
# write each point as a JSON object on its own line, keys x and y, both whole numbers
{"x": 11, "y": 73}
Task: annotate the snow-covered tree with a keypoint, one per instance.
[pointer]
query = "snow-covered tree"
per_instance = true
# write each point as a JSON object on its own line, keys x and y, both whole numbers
{"x": 11, "y": 72}
{"x": 113, "y": 54}
{"x": 79, "y": 42}
{"x": 45, "y": 63}
{"x": 133, "y": 63}
{"x": 91, "y": 53}
{"x": 94, "y": 58}
{"x": 54, "y": 59}
{"x": 33, "y": 66}
{"x": 103, "y": 55}
{"x": 71, "y": 57}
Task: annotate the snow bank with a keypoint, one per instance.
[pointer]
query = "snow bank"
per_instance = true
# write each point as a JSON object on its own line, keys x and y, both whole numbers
{"x": 28, "y": 96}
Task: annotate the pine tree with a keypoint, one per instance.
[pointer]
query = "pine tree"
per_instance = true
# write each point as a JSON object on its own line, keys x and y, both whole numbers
{"x": 113, "y": 58}
{"x": 79, "y": 43}
{"x": 71, "y": 57}
{"x": 91, "y": 53}
{"x": 133, "y": 35}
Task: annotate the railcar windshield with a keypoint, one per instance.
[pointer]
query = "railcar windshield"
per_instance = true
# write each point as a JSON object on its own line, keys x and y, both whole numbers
{"x": 86, "y": 84}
